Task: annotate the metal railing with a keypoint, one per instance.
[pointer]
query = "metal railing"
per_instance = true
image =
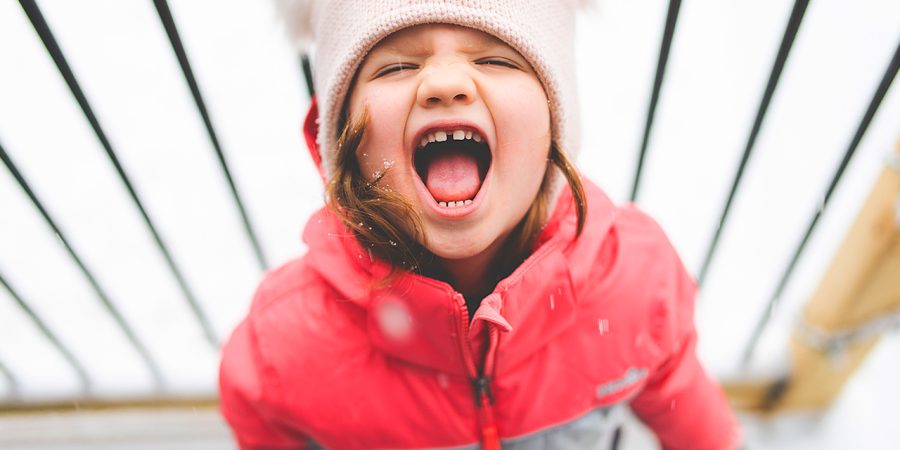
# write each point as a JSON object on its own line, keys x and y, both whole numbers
{"x": 53, "y": 49}
{"x": 790, "y": 33}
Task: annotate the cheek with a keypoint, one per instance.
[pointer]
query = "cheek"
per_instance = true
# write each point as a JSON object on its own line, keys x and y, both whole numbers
{"x": 383, "y": 139}
{"x": 523, "y": 117}
{"x": 523, "y": 125}
{"x": 532, "y": 102}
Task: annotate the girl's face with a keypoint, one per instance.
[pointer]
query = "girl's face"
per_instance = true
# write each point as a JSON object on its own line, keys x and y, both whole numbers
{"x": 483, "y": 106}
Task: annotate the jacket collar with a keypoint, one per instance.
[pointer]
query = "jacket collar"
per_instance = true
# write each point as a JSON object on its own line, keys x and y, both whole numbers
{"x": 421, "y": 320}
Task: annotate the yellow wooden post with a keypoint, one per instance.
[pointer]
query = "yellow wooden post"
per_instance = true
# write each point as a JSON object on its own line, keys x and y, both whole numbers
{"x": 858, "y": 297}
{"x": 860, "y": 290}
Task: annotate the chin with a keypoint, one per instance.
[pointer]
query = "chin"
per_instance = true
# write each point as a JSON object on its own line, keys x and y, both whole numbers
{"x": 455, "y": 246}
{"x": 463, "y": 242}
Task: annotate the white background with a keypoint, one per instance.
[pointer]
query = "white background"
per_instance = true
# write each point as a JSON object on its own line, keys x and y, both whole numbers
{"x": 249, "y": 75}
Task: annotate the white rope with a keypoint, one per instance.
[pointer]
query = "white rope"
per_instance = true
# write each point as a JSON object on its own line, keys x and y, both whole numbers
{"x": 836, "y": 342}
{"x": 892, "y": 160}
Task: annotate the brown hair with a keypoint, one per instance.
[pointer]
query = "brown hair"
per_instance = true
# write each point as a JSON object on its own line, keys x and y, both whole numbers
{"x": 374, "y": 213}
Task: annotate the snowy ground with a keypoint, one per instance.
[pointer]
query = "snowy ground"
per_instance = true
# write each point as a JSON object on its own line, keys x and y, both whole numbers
{"x": 861, "y": 419}
{"x": 719, "y": 63}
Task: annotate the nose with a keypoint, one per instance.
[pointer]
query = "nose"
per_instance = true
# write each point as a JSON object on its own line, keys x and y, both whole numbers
{"x": 444, "y": 86}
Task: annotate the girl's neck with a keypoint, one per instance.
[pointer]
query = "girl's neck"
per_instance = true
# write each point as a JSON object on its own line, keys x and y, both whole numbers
{"x": 474, "y": 277}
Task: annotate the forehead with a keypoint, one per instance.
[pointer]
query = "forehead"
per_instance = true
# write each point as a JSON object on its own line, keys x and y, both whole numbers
{"x": 423, "y": 38}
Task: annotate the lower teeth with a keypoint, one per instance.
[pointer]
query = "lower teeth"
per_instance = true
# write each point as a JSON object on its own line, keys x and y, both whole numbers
{"x": 455, "y": 204}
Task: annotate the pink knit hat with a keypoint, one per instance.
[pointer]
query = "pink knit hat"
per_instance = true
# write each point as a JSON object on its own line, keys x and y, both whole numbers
{"x": 344, "y": 31}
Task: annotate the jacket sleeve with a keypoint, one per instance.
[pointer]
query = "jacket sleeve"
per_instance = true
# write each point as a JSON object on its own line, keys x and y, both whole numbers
{"x": 681, "y": 403}
{"x": 243, "y": 396}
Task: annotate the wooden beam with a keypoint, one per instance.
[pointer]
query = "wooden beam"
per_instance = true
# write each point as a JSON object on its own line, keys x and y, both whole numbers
{"x": 145, "y": 403}
{"x": 842, "y": 320}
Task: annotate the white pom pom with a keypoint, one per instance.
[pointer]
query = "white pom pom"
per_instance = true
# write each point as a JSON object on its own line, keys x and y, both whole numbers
{"x": 297, "y": 16}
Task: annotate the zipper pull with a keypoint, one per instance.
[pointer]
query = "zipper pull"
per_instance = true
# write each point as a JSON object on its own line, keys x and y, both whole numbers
{"x": 482, "y": 388}
{"x": 489, "y": 438}
{"x": 484, "y": 398}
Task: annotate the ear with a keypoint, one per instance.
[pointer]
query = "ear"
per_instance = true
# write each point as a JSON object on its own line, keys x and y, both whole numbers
{"x": 310, "y": 132}
{"x": 297, "y": 16}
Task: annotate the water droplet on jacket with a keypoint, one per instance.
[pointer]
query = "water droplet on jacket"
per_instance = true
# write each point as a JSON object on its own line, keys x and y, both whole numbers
{"x": 672, "y": 405}
{"x": 388, "y": 164}
{"x": 603, "y": 326}
{"x": 552, "y": 303}
{"x": 443, "y": 380}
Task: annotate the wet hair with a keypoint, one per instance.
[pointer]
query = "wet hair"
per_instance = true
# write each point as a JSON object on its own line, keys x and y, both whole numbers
{"x": 390, "y": 228}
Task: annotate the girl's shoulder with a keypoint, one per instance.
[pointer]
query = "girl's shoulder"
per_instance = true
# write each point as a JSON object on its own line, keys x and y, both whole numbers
{"x": 296, "y": 294}
{"x": 632, "y": 266}
{"x": 621, "y": 241}
{"x": 291, "y": 279}
{"x": 297, "y": 323}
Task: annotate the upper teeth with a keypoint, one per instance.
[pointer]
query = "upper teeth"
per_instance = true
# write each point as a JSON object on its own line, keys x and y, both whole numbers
{"x": 441, "y": 136}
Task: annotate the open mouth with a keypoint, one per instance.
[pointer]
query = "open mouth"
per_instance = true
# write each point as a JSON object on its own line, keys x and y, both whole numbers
{"x": 452, "y": 165}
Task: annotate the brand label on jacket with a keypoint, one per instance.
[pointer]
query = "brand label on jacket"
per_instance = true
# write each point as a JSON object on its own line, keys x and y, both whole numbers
{"x": 631, "y": 377}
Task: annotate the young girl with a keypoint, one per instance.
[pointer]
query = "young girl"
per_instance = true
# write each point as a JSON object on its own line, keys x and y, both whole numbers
{"x": 464, "y": 287}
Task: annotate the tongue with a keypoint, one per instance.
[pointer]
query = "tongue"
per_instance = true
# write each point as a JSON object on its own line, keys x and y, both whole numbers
{"x": 452, "y": 175}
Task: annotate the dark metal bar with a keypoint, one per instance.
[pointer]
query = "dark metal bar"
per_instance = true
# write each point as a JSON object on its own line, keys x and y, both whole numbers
{"x": 307, "y": 74}
{"x": 671, "y": 18}
{"x": 775, "y": 299}
{"x": 165, "y": 15}
{"x": 86, "y": 384}
{"x": 43, "y": 30}
{"x": 784, "y": 50}
{"x": 101, "y": 293}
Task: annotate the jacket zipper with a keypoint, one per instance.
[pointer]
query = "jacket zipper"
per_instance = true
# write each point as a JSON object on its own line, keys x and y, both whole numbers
{"x": 480, "y": 379}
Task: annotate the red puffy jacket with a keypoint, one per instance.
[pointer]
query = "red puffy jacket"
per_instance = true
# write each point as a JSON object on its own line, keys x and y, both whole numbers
{"x": 582, "y": 329}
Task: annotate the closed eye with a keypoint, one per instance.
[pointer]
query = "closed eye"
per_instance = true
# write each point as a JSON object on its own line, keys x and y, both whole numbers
{"x": 393, "y": 68}
{"x": 502, "y": 62}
